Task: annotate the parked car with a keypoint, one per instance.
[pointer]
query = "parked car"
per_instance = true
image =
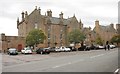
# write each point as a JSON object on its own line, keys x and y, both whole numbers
{"x": 112, "y": 46}
{"x": 88, "y": 48}
{"x": 93, "y": 47}
{"x": 52, "y": 49}
{"x": 62, "y": 48}
{"x": 72, "y": 48}
{"x": 57, "y": 49}
{"x": 100, "y": 47}
{"x": 43, "y": 51}
{"x": 82, "y": 48}
{"x": 12, "y": 51}
{"x": 26, "y": 50}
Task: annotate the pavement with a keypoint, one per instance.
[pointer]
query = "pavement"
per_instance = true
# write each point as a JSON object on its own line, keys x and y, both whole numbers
{"x": 21, "y": 58}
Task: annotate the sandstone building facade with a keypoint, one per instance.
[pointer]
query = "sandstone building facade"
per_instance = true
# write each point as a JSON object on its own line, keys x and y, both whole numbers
{"x": 104, "y": 32}
{"x": 11, "y": 42}
{"x": 55, "y": 28}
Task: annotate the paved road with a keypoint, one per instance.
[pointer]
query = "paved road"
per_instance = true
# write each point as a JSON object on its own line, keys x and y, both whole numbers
{"x": 80, "y": 61}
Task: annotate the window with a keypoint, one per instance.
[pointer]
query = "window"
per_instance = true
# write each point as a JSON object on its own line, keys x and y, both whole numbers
{"x": 36, "y": 25}
{"x": 48, "y": 34}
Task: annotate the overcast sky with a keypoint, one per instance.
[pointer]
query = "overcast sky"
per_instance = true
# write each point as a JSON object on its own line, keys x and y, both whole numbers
{"x": 106, "y": 11}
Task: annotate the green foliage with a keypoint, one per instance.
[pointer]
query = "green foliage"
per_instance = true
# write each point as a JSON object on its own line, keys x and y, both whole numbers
{"x": 76, "y": 36}
{"x": 99, "y": 41}
{"x": 115, "y": 39}
{"x": 35, "y": 36}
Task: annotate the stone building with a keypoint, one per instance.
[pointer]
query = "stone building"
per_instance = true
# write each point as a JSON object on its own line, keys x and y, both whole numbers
{"x": 11, "y": 42}
{"x": 105, "y": 32}
{"x": 118, "y": 28}
{"x": 55, "y": 28}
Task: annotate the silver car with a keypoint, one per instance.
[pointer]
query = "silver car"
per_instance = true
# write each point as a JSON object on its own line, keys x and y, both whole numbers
{"x": 12, "y": 51}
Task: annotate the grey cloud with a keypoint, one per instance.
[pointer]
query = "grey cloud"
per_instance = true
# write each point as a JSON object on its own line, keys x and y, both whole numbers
{"x": 70, "y": 7}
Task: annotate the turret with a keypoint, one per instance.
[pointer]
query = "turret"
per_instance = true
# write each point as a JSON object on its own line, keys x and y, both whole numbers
{"x": 17, "y": 22}
{"x": 22, "y": 16}
{"x": 81, "y": 24}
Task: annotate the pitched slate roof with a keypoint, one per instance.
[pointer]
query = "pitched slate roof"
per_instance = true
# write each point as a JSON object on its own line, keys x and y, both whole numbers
{"x": 55, "y": 20}
{"x": 107, "y": 28}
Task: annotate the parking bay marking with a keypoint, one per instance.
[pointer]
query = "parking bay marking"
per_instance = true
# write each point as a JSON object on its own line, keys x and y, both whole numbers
{"x": 67, "y": 63}
{"x": 97, "y": 56}
{"x": 102, "y": 55}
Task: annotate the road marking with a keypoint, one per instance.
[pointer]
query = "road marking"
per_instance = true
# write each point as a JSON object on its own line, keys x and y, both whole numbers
{"x": 102, "y": 54}
{"x": 67, "y": 63}
{"x": 116, "y": 71}
{"x": 59, "y": 65}
{"x": 55, "y": 66}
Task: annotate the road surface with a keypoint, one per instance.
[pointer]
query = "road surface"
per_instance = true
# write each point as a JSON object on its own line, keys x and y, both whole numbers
{"x": 79, "y": 61}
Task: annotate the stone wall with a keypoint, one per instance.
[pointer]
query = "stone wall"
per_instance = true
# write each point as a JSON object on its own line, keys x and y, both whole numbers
{"x": 11, "y": 42}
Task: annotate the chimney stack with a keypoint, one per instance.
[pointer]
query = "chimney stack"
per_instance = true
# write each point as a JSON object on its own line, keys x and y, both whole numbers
{"x": 96, "y": 23}
{"x": 49, "y": 13}
{"x": 39, "y": 10}
{"x": 26, "y": 14}
{"x": 61, "y": 15}
{"x": 112, "y": 25}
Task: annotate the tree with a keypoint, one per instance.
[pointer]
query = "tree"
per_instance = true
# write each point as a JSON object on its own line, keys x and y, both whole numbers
{"x": 35, "y": 37}
{"x": 115, "y": 39}
{"x": 76, "y": 36}
{"x": 99, "y": 41}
